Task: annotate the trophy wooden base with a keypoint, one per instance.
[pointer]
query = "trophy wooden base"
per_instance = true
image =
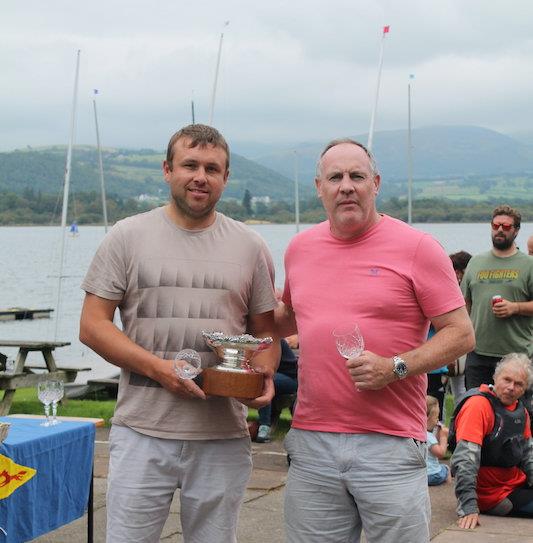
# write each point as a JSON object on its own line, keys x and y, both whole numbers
{"x": 233, "y": 384}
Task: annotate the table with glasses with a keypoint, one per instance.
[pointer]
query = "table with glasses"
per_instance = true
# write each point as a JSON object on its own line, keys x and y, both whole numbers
{"x": 23, "y": 375}
{"x": 52, "y": 469}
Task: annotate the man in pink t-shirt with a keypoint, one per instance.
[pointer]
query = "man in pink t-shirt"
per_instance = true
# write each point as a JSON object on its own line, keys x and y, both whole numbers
{"x": 357, "y": 443}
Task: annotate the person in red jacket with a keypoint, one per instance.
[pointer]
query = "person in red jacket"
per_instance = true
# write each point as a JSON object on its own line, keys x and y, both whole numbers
{"x": 493, "y": 460}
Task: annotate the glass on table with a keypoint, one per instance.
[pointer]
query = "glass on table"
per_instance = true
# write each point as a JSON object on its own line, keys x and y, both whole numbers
{"x": 45, "y": 395}
{"x": 58, "y": 391}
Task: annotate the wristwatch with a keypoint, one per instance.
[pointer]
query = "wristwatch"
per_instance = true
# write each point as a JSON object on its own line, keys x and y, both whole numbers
{"x": 400, "y": 367}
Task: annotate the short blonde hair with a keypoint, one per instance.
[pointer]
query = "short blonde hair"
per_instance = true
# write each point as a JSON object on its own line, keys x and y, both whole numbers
{"x": 431, "y": 403}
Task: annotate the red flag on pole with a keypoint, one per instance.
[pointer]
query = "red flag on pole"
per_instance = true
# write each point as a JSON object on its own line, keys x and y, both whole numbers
{"x": 386, "y": 29}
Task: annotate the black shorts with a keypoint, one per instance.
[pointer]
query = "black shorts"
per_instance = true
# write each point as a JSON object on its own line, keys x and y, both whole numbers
{"x": 479, "y": 369}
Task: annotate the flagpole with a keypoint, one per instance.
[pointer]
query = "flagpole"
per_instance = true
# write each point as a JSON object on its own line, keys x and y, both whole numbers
{"x": 409, "y": 158}
{"x": 213, "y": 94}
{"x": 66, "y": 186}
{"x": 374, "y": 109}
{"x": 100, "y": 163}
{"x": 296, "y": 194}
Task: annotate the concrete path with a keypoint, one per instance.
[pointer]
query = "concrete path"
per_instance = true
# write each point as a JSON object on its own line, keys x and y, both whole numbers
{"x": 261, "y": 518}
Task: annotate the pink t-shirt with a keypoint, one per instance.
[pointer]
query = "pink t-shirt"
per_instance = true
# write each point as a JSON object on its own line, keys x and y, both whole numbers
{"x": 391, "y": 281}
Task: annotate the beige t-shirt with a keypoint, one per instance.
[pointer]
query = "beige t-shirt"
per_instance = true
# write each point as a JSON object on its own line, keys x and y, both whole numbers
{"x": 174, "y": 283}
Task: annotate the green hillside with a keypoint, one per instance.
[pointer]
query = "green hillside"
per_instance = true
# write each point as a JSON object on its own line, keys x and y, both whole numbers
{"x": 460, "y": 173}
{"x": 128, "y": 173}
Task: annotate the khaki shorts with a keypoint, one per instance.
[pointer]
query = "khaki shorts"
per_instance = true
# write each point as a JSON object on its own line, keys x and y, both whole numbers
{"x": 341, "y": 484}
{"x": 144, "y": 473}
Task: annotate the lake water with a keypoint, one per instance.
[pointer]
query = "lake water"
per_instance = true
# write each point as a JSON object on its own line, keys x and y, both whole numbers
{"x": 29, "y": 278}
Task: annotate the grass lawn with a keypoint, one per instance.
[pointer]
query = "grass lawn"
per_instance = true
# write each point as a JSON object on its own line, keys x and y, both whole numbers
{"x": 26, "y": 402}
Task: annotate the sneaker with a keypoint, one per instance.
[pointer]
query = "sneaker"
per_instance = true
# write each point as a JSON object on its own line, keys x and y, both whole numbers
{"x": 263, "y": 434}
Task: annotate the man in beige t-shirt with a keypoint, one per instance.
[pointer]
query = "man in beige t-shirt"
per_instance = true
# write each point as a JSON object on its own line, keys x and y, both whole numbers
{"x": 173, "y": 272}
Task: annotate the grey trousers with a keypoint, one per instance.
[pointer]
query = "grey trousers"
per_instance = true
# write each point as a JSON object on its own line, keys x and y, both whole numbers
{"x": 144, "y": 473}
{"x": 339, "y": 484}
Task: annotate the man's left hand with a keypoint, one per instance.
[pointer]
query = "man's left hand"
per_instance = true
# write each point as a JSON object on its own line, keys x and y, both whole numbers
{"x": 370, "y": 371}
{"x": 266, "y": 395}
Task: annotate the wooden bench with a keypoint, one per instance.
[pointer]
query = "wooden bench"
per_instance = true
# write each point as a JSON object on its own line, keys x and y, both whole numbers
{"x": 71, "y": 373}
{"x": 27, "y": 379}
{"x": 25, "y": 376}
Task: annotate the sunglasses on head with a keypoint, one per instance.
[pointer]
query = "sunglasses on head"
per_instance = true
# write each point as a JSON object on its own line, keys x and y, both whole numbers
{"x": 504, "y": 227}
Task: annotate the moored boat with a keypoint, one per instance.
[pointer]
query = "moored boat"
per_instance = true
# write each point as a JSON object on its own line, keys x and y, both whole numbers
{"x": 20, "y": 313}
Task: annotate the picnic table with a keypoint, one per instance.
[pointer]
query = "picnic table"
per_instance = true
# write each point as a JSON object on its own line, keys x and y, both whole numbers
{"x": 24, "y": 375}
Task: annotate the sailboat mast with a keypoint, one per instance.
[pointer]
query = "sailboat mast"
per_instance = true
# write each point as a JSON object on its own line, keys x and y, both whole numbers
{"x": 375, "y": 108}
{"x": 100, "y": 163}
{"x": 213, "y": 94}
{"x": 296, "y": 193}
{"x": 409, "y": 159}
{"x": 66, "y": 190}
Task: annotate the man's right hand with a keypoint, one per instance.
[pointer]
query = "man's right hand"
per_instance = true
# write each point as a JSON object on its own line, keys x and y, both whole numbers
{"x": 370, "y": 371}
{"x": 505, "y": 309}
{"x": 469, "y": 522}
{"x": 166, "y": 376}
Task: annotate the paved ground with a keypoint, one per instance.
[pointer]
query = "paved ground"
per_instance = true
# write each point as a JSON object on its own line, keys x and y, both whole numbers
{"x": 261, "y": 519}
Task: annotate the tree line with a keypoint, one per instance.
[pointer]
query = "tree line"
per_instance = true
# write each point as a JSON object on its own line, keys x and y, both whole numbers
{"x": 36, "y": 208}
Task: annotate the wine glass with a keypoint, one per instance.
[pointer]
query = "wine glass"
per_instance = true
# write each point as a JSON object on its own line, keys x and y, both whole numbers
{"x": 57, "y": 391}
{"x": 349, "y": 340}
{"x": 45, "y": 397}
{"x": 192, "y": 366}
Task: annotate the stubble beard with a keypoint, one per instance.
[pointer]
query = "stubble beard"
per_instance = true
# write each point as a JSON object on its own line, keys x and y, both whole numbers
{"x": 184, "y": 208}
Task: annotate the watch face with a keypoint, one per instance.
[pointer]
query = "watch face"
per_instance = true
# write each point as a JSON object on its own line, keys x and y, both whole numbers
{"x": 400, "y": 368}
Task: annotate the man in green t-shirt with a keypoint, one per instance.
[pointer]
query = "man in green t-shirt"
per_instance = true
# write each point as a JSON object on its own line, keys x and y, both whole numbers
{"x": 498, "y": 288}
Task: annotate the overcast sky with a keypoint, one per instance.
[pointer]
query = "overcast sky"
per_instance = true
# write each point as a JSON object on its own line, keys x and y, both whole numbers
{"x": 291, "y": 71}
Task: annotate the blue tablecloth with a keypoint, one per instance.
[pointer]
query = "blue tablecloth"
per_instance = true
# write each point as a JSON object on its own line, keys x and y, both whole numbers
{"x": 58, "y": 493}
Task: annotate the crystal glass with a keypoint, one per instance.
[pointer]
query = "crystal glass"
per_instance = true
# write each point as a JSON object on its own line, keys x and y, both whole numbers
{"x": 45, "y": 396}
{"x": 57, "y": 391}
{"x": 349, "y": 340}
{"x": 192, "y": 366}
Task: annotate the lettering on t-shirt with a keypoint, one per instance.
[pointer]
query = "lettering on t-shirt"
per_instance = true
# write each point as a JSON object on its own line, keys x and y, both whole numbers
{"x": 498, "y": 276}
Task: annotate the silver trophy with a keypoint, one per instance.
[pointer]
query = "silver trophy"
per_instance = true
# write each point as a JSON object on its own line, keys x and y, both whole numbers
{"x": 234, "y": 375}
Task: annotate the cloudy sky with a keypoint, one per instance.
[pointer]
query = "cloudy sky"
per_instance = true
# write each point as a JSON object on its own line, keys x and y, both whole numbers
{"x": 291, "y": 71}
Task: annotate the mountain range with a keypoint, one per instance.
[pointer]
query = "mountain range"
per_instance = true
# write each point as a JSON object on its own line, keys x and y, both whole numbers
{"x": 457, "y": 162}
{"x": 437, "y": 152}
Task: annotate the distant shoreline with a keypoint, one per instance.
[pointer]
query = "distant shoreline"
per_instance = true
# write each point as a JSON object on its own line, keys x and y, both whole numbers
{"x": 249, "y": 222}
